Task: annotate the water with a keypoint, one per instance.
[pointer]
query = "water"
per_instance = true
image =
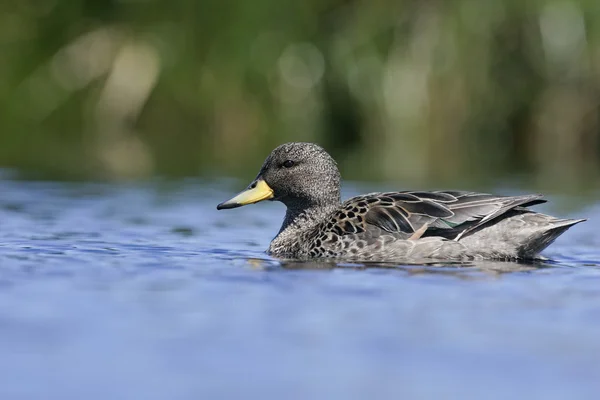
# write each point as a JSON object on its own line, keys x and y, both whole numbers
{"x": 147, "y": 292}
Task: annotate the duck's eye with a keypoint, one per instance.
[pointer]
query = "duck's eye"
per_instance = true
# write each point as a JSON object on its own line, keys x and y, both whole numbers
{"x": 288, "y": 164}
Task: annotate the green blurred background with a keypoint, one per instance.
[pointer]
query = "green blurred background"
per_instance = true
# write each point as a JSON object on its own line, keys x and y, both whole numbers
{"x": 422, "y": 92}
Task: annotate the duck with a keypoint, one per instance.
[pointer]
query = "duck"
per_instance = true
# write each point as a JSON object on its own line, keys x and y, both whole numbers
{"x": 391, "y": 226}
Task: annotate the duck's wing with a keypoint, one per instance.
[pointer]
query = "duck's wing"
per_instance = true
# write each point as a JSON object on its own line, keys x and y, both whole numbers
{"x": 450, "y": 214}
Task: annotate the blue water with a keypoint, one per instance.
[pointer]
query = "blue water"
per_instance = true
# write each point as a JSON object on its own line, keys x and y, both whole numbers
{"x": 147, "y": 292}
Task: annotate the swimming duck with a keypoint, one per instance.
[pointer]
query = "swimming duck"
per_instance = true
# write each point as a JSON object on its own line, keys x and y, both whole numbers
{"x": 391, "y": 226}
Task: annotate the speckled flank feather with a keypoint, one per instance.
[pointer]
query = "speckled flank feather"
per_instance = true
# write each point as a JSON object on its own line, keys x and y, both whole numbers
{"x": 396, "y": 226}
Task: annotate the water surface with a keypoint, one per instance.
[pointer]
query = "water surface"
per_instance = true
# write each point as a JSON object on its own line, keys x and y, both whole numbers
{"x": 146, "y": 291}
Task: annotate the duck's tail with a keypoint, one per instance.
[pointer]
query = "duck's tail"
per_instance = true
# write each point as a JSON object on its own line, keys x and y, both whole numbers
{"x": 522, "y": 235}
{"x": 545, "y": 235}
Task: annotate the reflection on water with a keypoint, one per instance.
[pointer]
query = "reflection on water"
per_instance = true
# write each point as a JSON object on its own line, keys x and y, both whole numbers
{"x": 453, "y": 268}
{"x": 146, "y": 291}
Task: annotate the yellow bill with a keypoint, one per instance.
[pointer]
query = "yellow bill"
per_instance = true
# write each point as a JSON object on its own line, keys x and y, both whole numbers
{"x": 257, "y": 191}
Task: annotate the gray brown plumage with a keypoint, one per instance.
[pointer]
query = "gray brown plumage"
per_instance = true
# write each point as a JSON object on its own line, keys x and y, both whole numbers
{"x": 391, "y": 226}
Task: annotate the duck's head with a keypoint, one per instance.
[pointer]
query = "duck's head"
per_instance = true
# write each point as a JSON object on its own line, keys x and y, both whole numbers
{"x": 299, "y": 175}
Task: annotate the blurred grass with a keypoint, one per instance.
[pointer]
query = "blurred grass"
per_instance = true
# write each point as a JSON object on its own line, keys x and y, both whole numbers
{"x": 436, "y": 91}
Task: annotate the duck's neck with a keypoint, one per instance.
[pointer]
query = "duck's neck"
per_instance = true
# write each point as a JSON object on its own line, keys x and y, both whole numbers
{"x": 299, "y": 222}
